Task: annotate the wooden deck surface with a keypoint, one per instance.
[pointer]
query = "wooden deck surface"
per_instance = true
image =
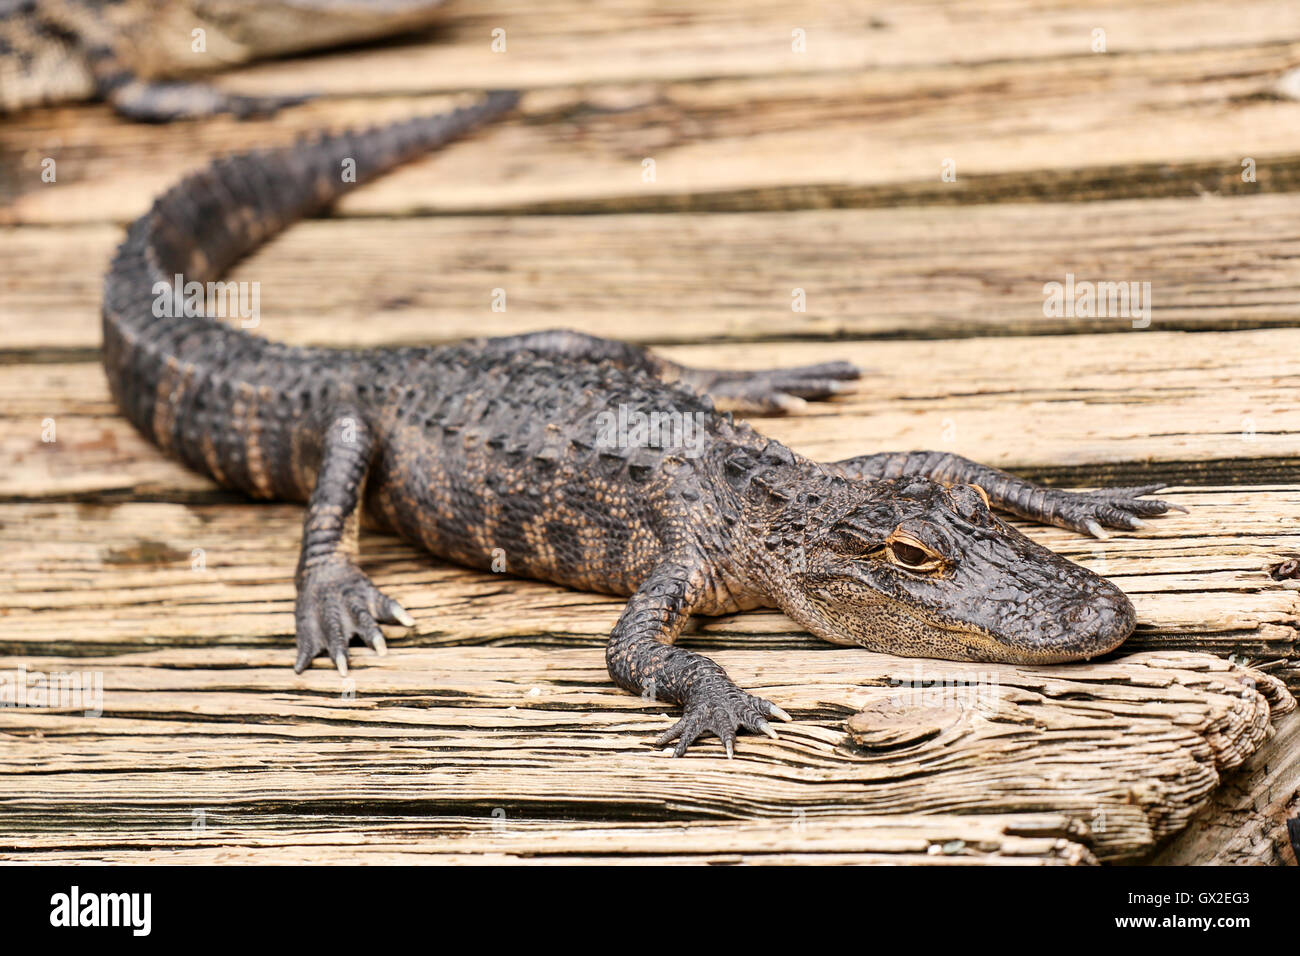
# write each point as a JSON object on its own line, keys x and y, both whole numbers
{"x": 490, "y": 732}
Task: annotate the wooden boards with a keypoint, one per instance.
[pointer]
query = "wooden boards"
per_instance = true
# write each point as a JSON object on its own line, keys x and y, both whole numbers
{"x": 928, "y": 272}
{"x": 491, "y": 732}
{"x": 1127, "y": 750}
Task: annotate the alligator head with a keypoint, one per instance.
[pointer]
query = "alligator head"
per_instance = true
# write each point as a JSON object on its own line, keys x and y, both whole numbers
{"x": 908, "y": 566}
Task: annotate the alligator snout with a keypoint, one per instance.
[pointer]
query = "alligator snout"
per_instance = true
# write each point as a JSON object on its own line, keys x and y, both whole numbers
{"x": 1095, "y": 623}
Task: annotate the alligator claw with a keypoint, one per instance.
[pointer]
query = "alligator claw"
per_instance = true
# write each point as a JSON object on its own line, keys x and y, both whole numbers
{"x": 337, "y": 602}
{"x": 721, "y": 710}
{"x": 774, "y": 391}
{"x": 1092, "y": 512}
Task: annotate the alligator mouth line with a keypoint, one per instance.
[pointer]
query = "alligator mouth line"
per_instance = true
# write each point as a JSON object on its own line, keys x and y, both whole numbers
{"x": 976, "y": 640}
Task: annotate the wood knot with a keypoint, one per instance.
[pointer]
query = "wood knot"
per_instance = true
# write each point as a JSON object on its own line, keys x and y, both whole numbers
{"x": 888, "y": 724}
{"x": 1288, "y": 569}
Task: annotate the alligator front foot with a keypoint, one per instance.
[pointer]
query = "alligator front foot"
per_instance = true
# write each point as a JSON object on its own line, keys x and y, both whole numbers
{"x": 337, "y": 602}
{"x": 1091, "y": 512}
{"x": 720, "y": 708}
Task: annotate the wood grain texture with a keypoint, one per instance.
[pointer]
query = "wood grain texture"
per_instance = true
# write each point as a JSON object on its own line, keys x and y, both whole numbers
{"x": 1244, "y": 823}
{"x": 1127, "y": 749}
{"x": 1088, "y": 126}
{"x": 230, "y": 836}
{"x": 571, "y": 41}
{"x": 926, "y": 272}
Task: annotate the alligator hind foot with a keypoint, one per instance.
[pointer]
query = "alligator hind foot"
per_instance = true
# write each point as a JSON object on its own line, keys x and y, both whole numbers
{"x": 1091, "y": 512}
{"x": 165, "y": 102}
{"x": 755, "y": 391}
{"x": 162, "y": 101}
{"x": 775, "y": 390}
{"x": 1087, "y": 512}
{"x": 336, "y": 601}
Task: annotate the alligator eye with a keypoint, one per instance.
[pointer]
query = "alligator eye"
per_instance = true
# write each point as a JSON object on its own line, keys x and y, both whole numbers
{"x": 911, "y": 554}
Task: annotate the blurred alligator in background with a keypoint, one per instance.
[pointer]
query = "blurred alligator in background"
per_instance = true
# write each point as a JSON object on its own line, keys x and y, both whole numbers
{"x": 137, "y": 54}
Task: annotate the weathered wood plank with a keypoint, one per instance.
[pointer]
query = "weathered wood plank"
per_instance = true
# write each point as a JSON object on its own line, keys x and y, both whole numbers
{"x": 923, "y": 272}
{"x": 522, "y": 750}
{"x": 1127, "y": 749}
{"x": 225, "y": 836}
{"x": 1245, "y": 821}
{"x": 1012, "y": 129}
{"x": 574, "y": 42}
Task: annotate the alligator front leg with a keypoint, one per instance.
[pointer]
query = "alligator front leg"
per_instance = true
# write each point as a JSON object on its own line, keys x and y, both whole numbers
{"x": 336, "y": 601}
{"x": 642, "y": 659}
{"x": 1087, "y": 512}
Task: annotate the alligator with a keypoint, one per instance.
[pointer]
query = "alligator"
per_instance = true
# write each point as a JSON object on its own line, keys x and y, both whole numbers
{"x": 588, "y": 462}
{"x": 137, "y": 54}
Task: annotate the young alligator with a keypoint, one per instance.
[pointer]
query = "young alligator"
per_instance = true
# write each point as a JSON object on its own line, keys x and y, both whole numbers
{"x": 131, "y": 52}
{"x": 504, "y": 446}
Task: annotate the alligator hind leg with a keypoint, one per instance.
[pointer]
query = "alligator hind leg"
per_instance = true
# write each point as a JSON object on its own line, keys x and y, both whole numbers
{"x": 754, "y": 391}
{"x": 1087, "y": 512}
{"x": 336, "y": 601}
{"x": 166, "y": 102}
{"x": 773, "y": 390}
{"x": 162, "y": 102}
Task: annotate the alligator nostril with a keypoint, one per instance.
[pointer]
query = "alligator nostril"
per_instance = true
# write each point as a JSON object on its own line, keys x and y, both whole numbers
{"x": 1112, "y": 619}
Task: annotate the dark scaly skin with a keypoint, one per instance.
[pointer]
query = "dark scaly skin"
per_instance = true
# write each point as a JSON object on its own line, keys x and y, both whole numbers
{"x": 135, "y": 53}
{"x": 498, "y": 448}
